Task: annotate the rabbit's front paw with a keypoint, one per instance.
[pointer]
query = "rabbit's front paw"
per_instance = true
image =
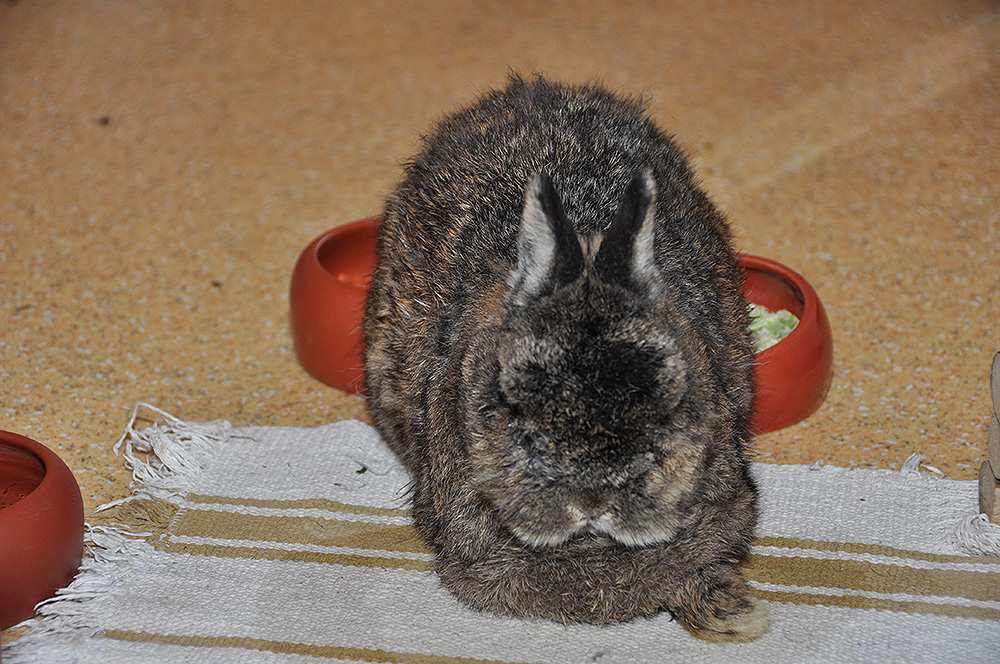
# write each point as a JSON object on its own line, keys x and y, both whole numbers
{"x": 722, "y": 608}
{"x": 746, "y": 626}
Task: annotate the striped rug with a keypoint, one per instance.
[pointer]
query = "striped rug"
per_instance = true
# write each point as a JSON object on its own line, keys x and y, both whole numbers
{"x": 267, "y": 544}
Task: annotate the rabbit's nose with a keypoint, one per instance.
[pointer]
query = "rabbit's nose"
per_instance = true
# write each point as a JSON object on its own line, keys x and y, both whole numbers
{"x": 590, "y": 506}
{"x": 594, "y": 521}
{"x": 590, "y": 502}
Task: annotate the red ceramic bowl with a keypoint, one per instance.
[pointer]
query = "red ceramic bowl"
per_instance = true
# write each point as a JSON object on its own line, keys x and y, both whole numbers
{"x": 792, "y": 376}
{"x": 327, "y": 299}
{"x": 41, "y": 526}
{"x": 330, "y": 284}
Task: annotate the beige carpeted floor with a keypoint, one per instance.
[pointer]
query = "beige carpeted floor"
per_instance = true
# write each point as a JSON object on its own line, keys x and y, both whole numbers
{"x": 163, "y": 164}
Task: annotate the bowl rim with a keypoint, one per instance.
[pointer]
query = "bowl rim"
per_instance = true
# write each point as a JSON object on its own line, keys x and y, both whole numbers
{"x": 803, "y": 290}
{"x": 319, "y": 243}
{"x": 32, "y": 447}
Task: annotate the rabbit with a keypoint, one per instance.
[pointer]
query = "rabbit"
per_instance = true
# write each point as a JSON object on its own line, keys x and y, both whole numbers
{"x": 556, "y": 349}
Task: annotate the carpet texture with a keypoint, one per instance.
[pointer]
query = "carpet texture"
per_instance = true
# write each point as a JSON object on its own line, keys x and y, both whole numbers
{"x": 280, "y": 544}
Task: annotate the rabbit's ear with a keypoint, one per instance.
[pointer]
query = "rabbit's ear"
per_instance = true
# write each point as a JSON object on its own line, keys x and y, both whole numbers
{"x": 549, "y": 254}
{"x": 627, "y": 247}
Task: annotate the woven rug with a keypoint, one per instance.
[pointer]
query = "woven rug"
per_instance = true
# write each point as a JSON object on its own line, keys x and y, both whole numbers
{"x": 265, "y": 544}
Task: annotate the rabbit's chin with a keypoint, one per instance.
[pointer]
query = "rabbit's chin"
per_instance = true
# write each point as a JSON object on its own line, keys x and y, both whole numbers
{"x": 580, "y": 525}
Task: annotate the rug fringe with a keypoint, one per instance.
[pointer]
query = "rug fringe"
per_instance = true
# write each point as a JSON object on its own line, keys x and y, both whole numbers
{"x": 911, "y": 466}
{"x": 977, "y": 535}
{"x": 166, "y": 456}
{"x": 973, "y": 534}
{"x": 73, "y": 613}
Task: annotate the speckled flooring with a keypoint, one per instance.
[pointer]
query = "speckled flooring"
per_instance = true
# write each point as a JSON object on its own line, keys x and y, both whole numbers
{"x": 163, "y": 164}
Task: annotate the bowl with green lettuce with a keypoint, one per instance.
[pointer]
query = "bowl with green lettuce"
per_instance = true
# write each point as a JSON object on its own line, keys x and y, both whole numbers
{"x": 792, "y": 340}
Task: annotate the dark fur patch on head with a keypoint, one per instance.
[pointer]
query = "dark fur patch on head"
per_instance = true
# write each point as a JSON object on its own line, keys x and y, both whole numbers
{"x": 592, "y": 371}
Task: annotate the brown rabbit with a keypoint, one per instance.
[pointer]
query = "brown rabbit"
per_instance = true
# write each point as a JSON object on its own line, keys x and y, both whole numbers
{"x": 557, "y": 350}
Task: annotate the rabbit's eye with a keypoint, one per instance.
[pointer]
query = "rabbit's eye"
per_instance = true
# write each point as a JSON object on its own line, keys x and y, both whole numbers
{"x": 526, "y": 372}
{"x": 526, "y": 383}
{"x": 532, "y": 442}
{"x": 535, "y": 465}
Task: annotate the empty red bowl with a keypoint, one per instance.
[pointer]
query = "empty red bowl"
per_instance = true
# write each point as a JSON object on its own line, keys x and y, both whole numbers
{"x": 41, "y": 526}
{"x": 327, "y": 299}
{"x": 330, "y": 285}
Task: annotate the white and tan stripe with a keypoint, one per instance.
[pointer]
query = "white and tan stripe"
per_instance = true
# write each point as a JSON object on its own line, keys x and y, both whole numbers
{"x": 319, "y": 651}
{"x": 297, "y": 503}
{"x": 781, "y": 569}
{"x": 189, "y": 542}
{"x": 946, "y": 606}
{"x": 888, "y": 597}
{"x": 958, "y": 565}
{"x": 303, "y": 512}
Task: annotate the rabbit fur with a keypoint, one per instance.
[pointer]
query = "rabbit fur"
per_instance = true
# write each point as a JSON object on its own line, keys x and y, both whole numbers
{"x": 557, "y": 350}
